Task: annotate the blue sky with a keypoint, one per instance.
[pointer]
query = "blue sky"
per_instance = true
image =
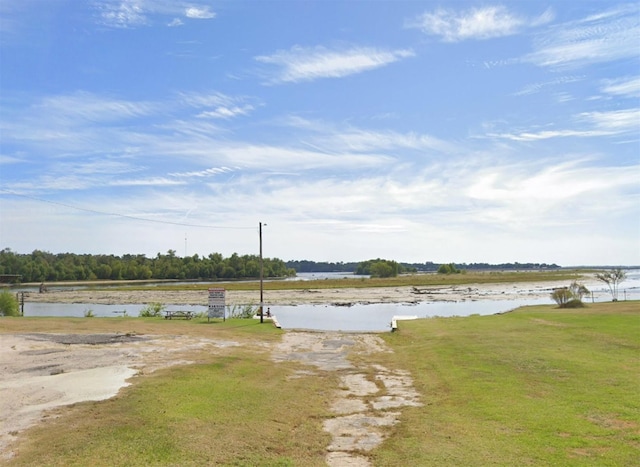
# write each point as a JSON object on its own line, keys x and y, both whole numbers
{"x": 413, "y": 131}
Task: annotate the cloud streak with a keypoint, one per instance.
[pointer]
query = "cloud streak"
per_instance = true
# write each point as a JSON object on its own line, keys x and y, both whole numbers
{"x": 311, "y": 63}
{"x": 609, "y": 36}
{"x": 595, "y": 124}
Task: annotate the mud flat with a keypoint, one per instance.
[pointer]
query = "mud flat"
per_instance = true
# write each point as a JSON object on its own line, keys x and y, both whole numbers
{"x": 342, "y": 296}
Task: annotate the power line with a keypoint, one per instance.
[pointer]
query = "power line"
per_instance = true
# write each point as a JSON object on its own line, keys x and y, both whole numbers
{"x": 125, "y": 216}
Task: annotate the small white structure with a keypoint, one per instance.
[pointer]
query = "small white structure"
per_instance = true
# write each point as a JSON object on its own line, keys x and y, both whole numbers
{"x": 396, "y": 318}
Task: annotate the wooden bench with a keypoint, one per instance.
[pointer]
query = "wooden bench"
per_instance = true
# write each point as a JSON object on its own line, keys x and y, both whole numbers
{"x": 178, "y": 314}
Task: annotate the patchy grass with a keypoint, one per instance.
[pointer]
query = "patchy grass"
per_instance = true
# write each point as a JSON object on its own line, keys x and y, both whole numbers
{"x": 237, "y": 409}
{"x": 539, "y": 386}
{"x": 417, "y": 280}
{"x": 237, "y": 329}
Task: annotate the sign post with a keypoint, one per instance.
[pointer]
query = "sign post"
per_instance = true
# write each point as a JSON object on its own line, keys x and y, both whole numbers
{"x": 216, "y": 304}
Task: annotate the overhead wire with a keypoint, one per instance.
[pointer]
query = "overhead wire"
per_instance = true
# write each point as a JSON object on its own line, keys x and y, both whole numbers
{"x": 126, "y": 216}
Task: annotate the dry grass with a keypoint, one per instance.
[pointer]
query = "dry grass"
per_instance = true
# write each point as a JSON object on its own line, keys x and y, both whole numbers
{"x": 416, "y": 280}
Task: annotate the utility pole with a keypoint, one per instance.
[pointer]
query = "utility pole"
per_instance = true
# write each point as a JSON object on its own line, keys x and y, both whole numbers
{"x": 261, "y": 273}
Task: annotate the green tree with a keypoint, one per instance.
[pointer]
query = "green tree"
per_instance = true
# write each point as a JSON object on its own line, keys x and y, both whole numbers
{"x": 378, "y": 268}
{"x": 448, "y": 269}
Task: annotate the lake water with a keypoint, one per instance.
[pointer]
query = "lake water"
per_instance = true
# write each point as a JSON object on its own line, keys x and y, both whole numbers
{"x": 358, "y": 317}
{"x": 373, "y": 317}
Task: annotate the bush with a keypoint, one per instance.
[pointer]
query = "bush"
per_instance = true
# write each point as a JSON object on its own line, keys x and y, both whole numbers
{"x": 8, "y": 304}
{"x": 152, "y": 310}
{"x": 242, "y": 311}
{"x": 570, "y": 297}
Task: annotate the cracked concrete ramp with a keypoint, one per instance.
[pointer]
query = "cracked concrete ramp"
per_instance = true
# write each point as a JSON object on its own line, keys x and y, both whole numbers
{"x": 368, "y": 398}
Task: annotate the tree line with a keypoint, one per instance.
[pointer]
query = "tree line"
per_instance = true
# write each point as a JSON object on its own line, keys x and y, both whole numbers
{"x": 42, "y": 266}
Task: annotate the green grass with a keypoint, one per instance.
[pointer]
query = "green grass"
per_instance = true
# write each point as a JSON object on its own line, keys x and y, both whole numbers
{"x": 237, "y": 410}
{"x": 539, "y": 386}
{"x": 418, "y": 280}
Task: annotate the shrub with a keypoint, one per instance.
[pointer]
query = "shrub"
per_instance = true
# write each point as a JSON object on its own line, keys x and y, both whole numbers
{"x": 570, "y": 297}
{"x": 242, "y": 311}
{"x": 8, "y": 304}
{"x": 89, "y": 313}
{"x": 152, "y": 310}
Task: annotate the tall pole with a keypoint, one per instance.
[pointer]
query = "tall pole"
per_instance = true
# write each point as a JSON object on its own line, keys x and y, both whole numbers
{"x": 261, "y": 273}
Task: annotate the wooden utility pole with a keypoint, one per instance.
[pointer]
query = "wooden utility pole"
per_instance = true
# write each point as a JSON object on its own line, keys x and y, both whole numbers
{"x": 261, "y": 274}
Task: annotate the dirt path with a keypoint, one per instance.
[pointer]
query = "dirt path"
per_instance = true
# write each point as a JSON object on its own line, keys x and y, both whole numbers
{"x": 368, "y": 399}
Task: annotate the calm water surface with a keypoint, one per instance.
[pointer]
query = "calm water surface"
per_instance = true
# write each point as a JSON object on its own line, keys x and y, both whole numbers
{"x": 375, "y": 317}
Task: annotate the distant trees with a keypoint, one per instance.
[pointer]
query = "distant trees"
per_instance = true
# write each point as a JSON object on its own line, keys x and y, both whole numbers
{"x": 41, "y": 266}
{"x": 449, "y": 269}
{"x": 313, "y": 266}
{"x": 378, "y": 268}
{"x": 381, "y": 268}
{"x": 570, "y": 297}
{"x": 612, "y": 279}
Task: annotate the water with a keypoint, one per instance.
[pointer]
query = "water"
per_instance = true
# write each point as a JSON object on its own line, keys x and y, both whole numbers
{"x": 358, "y": 317}
{"x": 377, "y": 317}
{"x": 374, "y": 317}
{"x": 78, "y": 310}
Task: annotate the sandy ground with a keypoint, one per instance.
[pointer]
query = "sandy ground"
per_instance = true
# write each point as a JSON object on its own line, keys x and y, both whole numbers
{"x": 42, "y": 371}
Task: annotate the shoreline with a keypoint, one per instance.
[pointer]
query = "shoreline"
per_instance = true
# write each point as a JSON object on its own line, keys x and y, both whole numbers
{"x": 292, "y": 297}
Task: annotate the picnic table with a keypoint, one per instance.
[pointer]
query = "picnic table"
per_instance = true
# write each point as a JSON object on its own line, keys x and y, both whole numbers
{"x": 178, "y": 314}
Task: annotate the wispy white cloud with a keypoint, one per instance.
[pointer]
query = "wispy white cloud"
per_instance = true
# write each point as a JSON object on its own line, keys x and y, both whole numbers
{"x": 311, "y": 63}
{"x": 203, "y": 173}
{"x": 226, "y": 112}
{"x": 203, "y": 12}
{"x": 135, "y": 13}
{"x": 218, "y": 105}
{"x": 588, "y": 124}
{"x": 609, "y": 36}
{"x": 548, "y": 194}
{"x": 629, "y": 87}
{"x": 476, "y": 23}
{"x": 616, "y": 121}
{"x": 93, "y": 108}
{"x": 334, "y": 138}
{"x": 153, "y": 181}
{"x": 122, "y": 13}
{"x": 537, "y": 87}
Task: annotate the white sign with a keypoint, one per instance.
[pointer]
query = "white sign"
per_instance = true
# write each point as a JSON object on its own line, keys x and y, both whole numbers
{"x": 216, "y": 303}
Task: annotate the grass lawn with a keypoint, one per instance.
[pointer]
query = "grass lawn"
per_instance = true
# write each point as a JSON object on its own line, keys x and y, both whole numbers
{"x": 539, "y": 386}
{"x": 237, "y": 409}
